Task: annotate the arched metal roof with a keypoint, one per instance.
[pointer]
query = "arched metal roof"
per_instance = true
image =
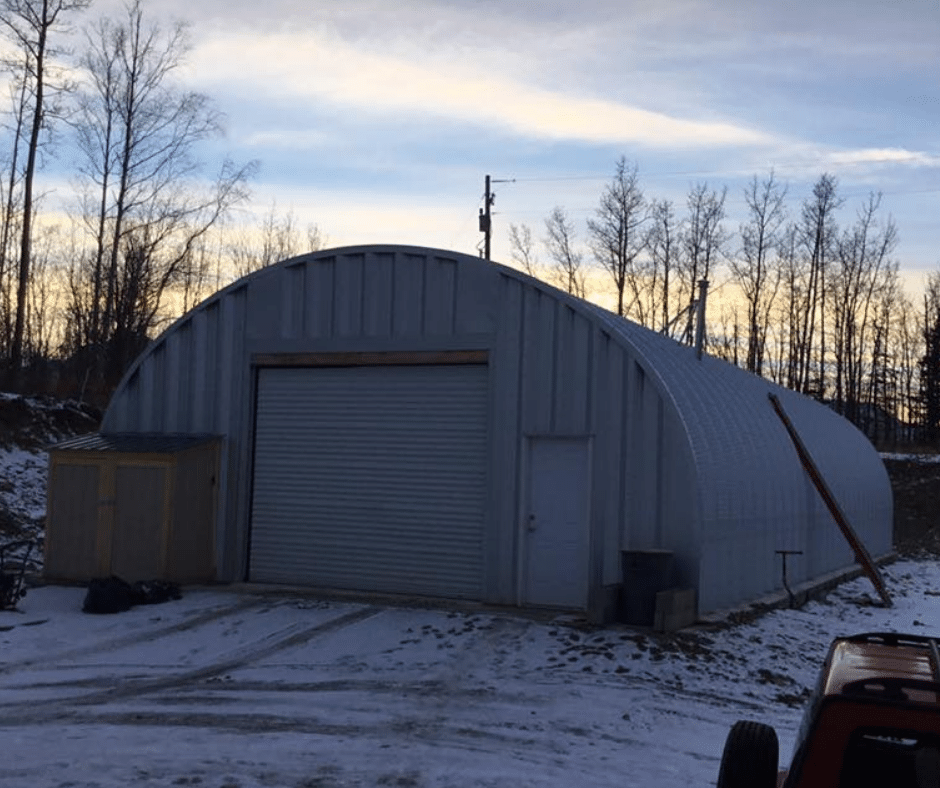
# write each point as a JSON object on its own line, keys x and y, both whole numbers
{"x": 746, "y": 479}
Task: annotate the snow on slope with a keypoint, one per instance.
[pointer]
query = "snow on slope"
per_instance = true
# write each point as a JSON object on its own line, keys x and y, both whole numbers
{"x": 23, "y": 482}
{"x": 27, "y": 425}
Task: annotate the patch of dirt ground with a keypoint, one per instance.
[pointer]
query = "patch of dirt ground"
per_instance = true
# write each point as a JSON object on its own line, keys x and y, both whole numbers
{"x": 916, "y": 487}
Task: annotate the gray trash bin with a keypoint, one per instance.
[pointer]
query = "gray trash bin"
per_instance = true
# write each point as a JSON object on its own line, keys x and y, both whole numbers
{"x": 645, "y": 574}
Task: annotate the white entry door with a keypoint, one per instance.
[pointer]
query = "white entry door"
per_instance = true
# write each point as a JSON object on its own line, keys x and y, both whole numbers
{"x": 556, "y": 523}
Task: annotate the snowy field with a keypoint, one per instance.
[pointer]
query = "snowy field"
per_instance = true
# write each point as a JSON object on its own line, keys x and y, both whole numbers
{"x": 229, "y": 689}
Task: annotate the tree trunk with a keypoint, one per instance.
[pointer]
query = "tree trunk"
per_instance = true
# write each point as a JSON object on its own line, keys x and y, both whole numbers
{"x": 16, "y": 351}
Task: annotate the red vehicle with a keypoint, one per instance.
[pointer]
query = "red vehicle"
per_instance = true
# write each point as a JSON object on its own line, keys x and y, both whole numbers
{"x": 873, "y": 720}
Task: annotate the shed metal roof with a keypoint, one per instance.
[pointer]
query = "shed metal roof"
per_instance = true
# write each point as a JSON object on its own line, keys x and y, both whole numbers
{"x": 135, "y": 442}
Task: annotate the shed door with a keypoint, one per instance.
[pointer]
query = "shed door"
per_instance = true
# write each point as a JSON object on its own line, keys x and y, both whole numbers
{"x": 371, "y": 478}
{"x": 556, "y": 524}
{"x": 140, "y": 521}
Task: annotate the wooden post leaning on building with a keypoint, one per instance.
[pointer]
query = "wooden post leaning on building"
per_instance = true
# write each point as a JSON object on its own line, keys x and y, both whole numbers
{"x": 861, "y": 553}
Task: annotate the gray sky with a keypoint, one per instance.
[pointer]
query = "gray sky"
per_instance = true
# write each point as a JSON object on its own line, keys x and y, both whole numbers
{"x": 378, "y": 120}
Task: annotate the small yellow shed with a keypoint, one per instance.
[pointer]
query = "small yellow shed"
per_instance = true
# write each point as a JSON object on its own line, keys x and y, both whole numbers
{"x": 139, "y": 506}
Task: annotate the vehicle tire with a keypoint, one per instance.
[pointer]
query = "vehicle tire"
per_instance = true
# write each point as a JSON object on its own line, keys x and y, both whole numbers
{"x": 750, "y": 757}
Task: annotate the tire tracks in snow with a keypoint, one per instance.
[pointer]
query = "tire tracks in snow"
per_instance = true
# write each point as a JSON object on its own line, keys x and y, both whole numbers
{"x": 133, "y": 639}
{"x": 20, "y": 712}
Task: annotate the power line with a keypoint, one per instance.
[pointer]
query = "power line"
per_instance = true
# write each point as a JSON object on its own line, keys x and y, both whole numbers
{"x": 933, "y": 162}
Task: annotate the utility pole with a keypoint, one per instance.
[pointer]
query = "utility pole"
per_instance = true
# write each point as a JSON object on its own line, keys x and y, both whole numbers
{"x": 486, "y": 219}
{"x": 486, "y": 224}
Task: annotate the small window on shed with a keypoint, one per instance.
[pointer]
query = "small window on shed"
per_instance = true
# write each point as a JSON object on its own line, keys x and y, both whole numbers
{"x": 878, "y": 757}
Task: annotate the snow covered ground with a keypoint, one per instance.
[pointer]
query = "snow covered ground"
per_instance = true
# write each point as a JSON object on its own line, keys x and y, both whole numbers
{"x": 235, "y": 689}
{"x": 23, "y": 482}
{"x": 231, "y": 689}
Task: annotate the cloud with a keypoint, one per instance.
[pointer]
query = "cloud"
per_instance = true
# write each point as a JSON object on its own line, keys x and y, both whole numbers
{"x": 888, "y": 156}
{"x": 293, "y": 139}
{"x": 317, "y": 66}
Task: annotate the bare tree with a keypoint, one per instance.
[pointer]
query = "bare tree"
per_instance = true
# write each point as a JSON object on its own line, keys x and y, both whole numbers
{"x": 907, "y": 347}
{"x": 41, "y": 336}
{"x": 703, "y": 242}
{"x": 882, "y": 389}
{"x": 12, "y": 196}
{"x": 616, "y": 234}
{"x": 138, "y": 135}
{"x": 521, "y": 248}
{"x": 727, "y": 340}
{"x": 566, "y": 260}
{"x": 662, "y": 243}
{"x": 753, "y": 270}
{"x": 817, "y": 236}
{"x": 31, "y": 26}
{"x": 789, "y": 304}
{"x": 278, "y": 238}
{"x": 928, "y": 396}
{"x": 864, "y": 272}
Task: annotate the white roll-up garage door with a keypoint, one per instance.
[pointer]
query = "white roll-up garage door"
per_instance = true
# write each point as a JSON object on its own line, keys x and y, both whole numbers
{"x": 371, "y": 478}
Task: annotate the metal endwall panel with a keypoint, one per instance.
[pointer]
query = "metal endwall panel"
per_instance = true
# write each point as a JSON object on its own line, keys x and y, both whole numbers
{"x": 408, "y": 297}
{"x": 178, "y": 375}
{"x": 231, "y": 417}
{"x": 147, "y": 390}
{"x": 198, "y": 403}
{"x": 440, "y": 309}
{"x": 294, "y": 288}
{"x": 557, "y": 382}
{"x": 502, "y": 542}
{"x": 538, "y": 359}
{"x": 318, "y": 303}
{"x": 475, "y": 298}
{"x": 678, "y": 500}
{"x": 572, "y": 380}
{"x": 377, "y": 284}
{"x": 371, "y": 478}
{"x": 610, "y": 454}
{"x": 348, "y": 307}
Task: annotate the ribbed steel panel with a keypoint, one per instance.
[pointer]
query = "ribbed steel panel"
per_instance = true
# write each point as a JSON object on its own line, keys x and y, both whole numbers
{"x": 134, "y": 443}
{"x": 371, "y": 478}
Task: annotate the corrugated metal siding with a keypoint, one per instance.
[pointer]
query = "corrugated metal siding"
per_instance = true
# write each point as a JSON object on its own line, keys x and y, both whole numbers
{"x": 135, "y": 443}
{"x": 371, "y": 478}
{"x": 751, "y": 494}
{"x": 687, "y": 452}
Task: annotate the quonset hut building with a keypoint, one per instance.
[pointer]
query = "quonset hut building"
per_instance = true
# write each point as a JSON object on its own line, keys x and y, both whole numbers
{"x": 416, "y": 421}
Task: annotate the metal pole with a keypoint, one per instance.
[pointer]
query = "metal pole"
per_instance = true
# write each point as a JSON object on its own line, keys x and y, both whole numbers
{"x": 488, "y": 227}
{"x": 783, "y": 554}
{"x": 700, "y": 322}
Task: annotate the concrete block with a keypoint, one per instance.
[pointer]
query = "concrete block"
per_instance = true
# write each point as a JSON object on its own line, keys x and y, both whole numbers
{"x": 675, "y": 608}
